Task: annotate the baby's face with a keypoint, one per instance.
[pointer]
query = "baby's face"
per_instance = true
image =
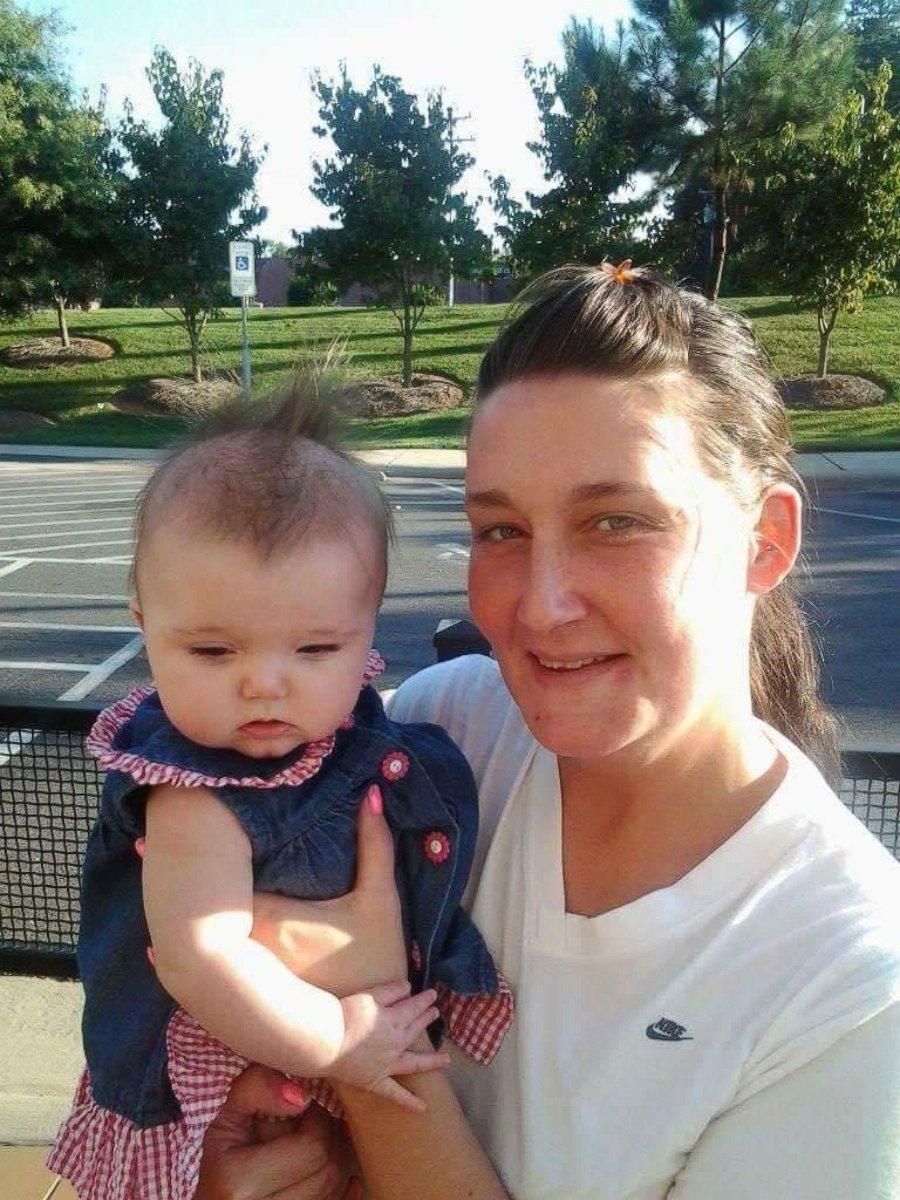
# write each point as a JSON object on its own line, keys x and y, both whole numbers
{"x": 253, "y": 655}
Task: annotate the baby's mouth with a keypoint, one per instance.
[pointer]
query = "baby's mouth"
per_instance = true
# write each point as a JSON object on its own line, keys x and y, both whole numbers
{"x": 264, "y": 729}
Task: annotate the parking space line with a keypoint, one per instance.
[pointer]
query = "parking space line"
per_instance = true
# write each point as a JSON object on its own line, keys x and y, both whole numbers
{"x": 61, "y": 627}
{"x": 102, "y": 671}
{"x": 16, "y": 742}
{"x": 32, "y": 550}
{"x": 74, "y": 521}
{"x": 116, "y": 560}
{"x": 453, "y": 550}
{"x": 36, "y": 537}
{"x": 30, "y": 664}
{"x": 63, "y": 595}
{"x": 839, "y": 512}
{"x": 59, "y": 491}
{"x": 11, "y": 567}
{"x": 60, "y": 506}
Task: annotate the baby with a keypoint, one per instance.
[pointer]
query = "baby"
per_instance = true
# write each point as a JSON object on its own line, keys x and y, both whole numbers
{"x": 260, "y": 563}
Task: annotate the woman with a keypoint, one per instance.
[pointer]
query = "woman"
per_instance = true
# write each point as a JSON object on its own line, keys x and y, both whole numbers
{"x": 703, "y": 943}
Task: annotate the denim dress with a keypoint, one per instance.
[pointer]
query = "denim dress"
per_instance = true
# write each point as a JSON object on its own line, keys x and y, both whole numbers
{"x": 154, "y": 1079}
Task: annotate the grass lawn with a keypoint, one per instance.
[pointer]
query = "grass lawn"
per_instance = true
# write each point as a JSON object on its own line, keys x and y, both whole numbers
{"x": 450, "y": 341}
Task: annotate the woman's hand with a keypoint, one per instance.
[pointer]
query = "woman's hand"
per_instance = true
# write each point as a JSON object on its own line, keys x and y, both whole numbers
{"x": 354, "y": 942}
{"x": 305, "y": 1157}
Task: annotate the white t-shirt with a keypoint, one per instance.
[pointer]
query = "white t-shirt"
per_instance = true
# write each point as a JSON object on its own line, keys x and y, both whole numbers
{"x": 735, "y": 1035}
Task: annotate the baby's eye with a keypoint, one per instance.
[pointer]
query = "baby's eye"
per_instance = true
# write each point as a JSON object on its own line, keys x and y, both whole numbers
{"x": 318, "y": 648}
{"x": 210, "y": 651}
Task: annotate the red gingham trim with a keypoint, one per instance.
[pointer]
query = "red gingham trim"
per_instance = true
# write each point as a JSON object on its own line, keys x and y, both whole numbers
{"x": 106, "y": 1157}
{"x": 375, "y": 666}
{"x": 99, "y": 744}
{"x": 477, "y": 1024}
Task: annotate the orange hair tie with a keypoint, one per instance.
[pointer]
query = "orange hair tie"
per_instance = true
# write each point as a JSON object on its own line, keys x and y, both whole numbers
{"x": 622, "y": 273}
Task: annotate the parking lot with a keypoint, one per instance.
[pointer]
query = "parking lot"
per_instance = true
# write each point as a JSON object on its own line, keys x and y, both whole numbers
{"x": 65, "y": 543}
{"x": 65, "y": 550}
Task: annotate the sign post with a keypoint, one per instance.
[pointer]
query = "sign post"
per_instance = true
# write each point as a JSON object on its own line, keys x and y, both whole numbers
{"x": 242, "y": 269}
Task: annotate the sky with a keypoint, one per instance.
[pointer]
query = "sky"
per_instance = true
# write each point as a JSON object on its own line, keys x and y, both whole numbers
{"x": 473, "y": 50}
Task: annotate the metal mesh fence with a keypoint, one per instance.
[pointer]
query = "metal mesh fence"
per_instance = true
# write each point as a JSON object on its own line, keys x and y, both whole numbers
{"x": 49, "y": 795}
{"x": 871, "y": 789}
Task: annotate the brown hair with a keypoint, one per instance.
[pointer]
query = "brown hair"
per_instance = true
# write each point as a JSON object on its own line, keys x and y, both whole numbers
{"x": 629, "y": 323}
{"x": 265, "y": 473}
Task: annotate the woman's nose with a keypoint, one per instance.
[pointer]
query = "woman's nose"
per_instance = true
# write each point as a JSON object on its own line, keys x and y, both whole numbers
{"x": 264, "y": 679}
{"x": 550, "y": 593}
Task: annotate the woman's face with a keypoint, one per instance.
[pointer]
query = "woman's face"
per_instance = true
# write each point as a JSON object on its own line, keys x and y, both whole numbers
{"x": 609, "y": 571}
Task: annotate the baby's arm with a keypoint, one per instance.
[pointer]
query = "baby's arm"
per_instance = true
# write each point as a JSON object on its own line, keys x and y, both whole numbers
{"x": 198, "y": 896}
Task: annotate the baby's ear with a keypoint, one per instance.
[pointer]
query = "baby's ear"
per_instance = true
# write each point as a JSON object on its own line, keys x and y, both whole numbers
{"x": 776, "y": 538}
{"x": 134, "y": 607}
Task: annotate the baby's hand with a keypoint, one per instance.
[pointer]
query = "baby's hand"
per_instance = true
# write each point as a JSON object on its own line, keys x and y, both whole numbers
{"x": 381, "y": 1027}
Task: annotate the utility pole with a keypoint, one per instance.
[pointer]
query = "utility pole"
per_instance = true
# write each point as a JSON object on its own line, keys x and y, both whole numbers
{"x": 451, "y": 289}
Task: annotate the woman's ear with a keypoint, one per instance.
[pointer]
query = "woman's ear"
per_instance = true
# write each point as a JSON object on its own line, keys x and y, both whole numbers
{"x": 776, "y": 541}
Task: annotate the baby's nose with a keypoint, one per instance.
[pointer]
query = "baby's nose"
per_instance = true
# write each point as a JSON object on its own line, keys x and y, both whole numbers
{"x": 265, "y": 680}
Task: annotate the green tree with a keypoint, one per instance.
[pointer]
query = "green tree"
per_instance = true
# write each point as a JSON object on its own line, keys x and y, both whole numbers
{"x": 596, "y": 124}
{"x": 58, "y": 174}
{"x": 831, "y": 207}
{"x": 191, "y": 190}
{"x": 77, "y": 241}
{"x": 874, "y": 26}
{"x": 726, "y": 75}
{"x": 392, "y": 185}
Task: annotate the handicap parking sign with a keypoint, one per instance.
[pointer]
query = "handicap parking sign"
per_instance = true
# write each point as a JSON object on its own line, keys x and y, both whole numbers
{"x": 241, "y": 263}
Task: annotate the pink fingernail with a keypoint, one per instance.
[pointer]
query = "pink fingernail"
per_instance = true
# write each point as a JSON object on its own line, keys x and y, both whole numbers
{"x": 139, "y": 846}
{"x": 292, "y": 1093}
{"x": 151, "y": 957}
{"x": 376, "y": 801}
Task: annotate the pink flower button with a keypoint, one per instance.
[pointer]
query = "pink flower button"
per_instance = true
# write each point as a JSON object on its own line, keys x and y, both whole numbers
{"x": 437, "y": 847}
{"x": 394, "y": 765}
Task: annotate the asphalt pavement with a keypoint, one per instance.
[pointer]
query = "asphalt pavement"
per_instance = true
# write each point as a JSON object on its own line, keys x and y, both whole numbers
{"x": 65, "y": 542}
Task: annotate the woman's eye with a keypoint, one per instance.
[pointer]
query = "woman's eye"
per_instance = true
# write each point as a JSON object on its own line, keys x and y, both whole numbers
{"x": 497, "y": 533}
{"x": 617, "y": 523}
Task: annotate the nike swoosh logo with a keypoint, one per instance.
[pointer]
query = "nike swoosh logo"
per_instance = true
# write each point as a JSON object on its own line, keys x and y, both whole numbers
{"x": 668, "y": 1031}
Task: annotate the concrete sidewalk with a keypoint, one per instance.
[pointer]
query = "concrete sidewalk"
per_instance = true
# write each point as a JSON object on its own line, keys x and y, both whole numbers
{"x": 838, "y": 464}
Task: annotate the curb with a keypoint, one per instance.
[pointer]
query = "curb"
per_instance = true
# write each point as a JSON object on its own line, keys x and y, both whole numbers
{"x": 411, "y": 463}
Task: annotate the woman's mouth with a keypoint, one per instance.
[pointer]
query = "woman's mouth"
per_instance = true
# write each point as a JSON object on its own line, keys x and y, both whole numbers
{"x": 573, "y": 664}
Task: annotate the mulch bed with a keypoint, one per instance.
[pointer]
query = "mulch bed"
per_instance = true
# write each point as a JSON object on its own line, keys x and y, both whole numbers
{"x": 13, "y": 420}
{"x": 39, "y": 354}
{"x": 832, "y": 392}
{"x": 175, "y": 396}
{"x": 387, "y": 397}
{"x": 381, "y": 397}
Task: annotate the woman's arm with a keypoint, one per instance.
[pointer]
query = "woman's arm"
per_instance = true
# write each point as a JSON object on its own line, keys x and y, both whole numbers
{"x": 433, "y": 1154}
{"x": 405, "y": 1156}
{"x": 198, "y": 895}
{"x": 830, "y": 1130}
